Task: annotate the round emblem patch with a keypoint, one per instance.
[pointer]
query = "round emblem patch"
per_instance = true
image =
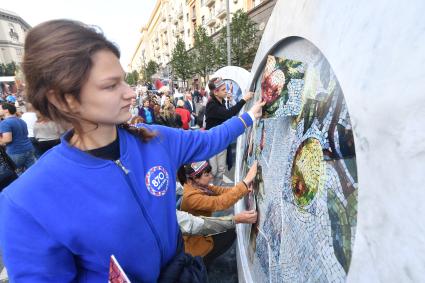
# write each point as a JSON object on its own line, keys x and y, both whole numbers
{"x": 157, "y": 181}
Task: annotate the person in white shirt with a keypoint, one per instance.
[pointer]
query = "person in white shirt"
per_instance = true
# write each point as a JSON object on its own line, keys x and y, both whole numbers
{"x": 134, "y": 109}
{"x": 177, "y": 95}
{"x": 30, "y": 117}
{"x": 201, "y": 225}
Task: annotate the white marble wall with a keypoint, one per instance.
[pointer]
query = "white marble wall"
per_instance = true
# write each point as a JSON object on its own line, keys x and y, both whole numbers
{"x": 377, "y": 51}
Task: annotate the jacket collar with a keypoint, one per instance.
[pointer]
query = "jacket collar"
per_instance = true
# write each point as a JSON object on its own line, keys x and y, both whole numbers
{"x": 216, "y": 100}
{"x": 79, "y": 156}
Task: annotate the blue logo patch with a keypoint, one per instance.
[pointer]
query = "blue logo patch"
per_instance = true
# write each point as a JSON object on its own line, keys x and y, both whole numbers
{"x": 156, "y": 181}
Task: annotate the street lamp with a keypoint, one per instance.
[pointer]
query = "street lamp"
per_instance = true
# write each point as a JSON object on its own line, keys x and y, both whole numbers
{"x": 229, "y": 59}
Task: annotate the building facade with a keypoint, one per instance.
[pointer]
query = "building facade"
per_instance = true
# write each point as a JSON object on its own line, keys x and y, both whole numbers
{"x": 174, "y": 19}
{"x": 12, "y": 35}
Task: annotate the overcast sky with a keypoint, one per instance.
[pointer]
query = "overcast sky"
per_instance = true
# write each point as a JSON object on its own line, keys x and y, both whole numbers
{"x": 120, "y": 21}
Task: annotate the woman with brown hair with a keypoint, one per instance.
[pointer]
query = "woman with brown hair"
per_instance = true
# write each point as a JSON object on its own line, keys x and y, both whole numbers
{"x": 107, "y": 188}
{"x": 168, "y": 116}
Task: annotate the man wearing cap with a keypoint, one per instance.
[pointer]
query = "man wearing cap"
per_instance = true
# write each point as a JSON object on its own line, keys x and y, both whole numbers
{"x": 216, "y": 113}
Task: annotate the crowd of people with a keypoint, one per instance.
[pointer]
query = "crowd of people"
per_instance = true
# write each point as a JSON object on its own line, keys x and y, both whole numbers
{"x": 101, "y": 161}
{"x": 25, "y": 135}
{"x": 170, "y": 108}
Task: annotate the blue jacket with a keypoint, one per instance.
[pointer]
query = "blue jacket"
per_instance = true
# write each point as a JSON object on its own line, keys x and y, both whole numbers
{"x": 143, "y": 114}
{"x": 65, "y": 216}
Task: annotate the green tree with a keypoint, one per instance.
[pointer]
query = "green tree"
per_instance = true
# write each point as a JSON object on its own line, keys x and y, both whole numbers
{"x": 129, "y": 79}
{"x": 2, "y": 69}
{"x": 204, "y": 53}
{"x": 149, "y": 70}
{"x": 244, "y": 41}
{"x": 181, "y": 61}
{"x": 10, "y": 69}
{"x": 132, "y": 78}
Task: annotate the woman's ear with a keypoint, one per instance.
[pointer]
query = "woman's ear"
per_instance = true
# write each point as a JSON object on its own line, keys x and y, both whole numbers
{"x": 70, "y": 105}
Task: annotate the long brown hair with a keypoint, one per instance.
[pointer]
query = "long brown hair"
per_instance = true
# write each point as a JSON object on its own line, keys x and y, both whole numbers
{"x": 57, "y": 61}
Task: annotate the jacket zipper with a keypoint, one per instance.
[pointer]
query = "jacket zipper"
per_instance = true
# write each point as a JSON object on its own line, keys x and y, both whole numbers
{"x": 142, "y": 208}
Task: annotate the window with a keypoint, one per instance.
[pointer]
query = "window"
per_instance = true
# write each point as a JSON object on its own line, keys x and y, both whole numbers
{"x": 12, "y": 33}
{"x": 203, "y": 20}
{"x": 19, "y": 53}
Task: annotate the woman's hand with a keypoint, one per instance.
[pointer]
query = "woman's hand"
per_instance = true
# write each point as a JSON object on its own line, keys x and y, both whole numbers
{"x": 257, "y": 108}
{"x": 251, "y": 174}
{"x": 250, "y": 188}
{"x": 249, "y": 217}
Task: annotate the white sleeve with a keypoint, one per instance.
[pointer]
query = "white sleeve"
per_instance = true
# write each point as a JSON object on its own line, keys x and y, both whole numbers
{"x": 189, "y": 224}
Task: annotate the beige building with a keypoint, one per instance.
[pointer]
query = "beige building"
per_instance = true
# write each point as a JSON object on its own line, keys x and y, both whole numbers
{"x": 173, "y": 19}
{"x": 12, "y": 35}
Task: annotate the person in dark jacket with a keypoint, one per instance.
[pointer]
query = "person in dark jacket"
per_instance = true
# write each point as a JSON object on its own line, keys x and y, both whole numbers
{"x": 147, "y": 113}
{"x": 189, "y": 104}
{"x": 216, "y": 113}
{"x": 168, "y": 116}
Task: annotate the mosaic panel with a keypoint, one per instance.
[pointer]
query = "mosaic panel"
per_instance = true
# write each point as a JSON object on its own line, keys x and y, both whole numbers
{"x": 305, "y": 191}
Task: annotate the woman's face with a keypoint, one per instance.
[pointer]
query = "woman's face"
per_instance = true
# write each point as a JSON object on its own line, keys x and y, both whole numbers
{"x": 105, "y": 98}
{"x": 205, "y": 179}
{"x": 146, "y": 103}
{"x": 167, "y": 101}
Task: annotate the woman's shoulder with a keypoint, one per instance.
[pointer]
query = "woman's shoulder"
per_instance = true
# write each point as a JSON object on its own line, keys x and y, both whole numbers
{"x": 41, "y": 176}
{"x": 190, "y": 190}
{"x": 160, "y": 132}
